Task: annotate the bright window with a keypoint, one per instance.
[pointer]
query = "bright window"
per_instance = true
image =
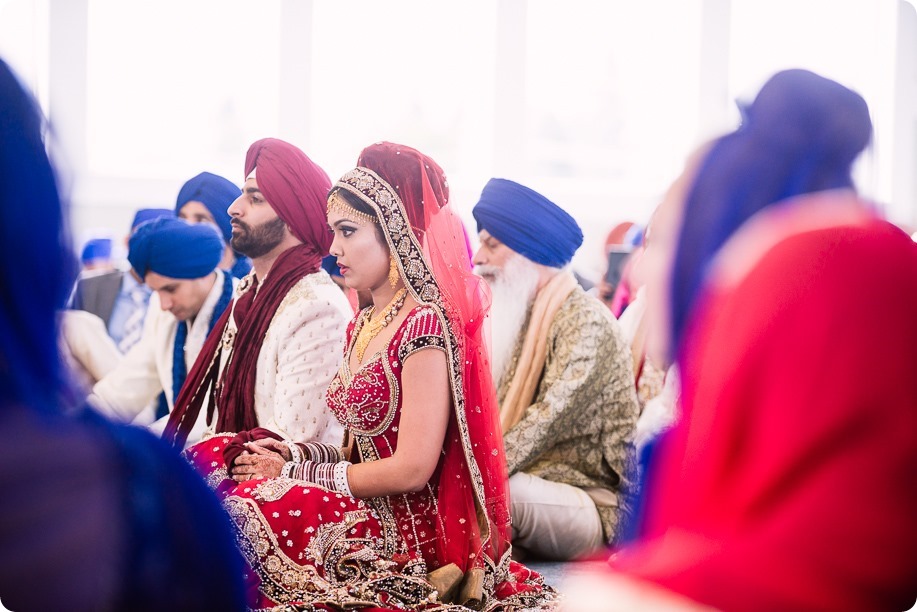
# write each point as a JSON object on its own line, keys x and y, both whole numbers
{"x": 24, "y": 43}
{"x": 176, "y": 87}
{"x": 611, "y": 90}
{"x": 415, "y": 72}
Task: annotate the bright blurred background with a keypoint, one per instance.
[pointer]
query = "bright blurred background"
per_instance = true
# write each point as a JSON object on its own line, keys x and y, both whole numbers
{"x": 594, "y": 103}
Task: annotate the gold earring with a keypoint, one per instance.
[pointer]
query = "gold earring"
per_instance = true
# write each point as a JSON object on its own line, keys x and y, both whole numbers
{"x": 393, "y": 275}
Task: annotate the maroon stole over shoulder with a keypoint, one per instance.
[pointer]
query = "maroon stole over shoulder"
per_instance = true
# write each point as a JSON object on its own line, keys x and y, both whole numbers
{"x": 233, "y": 394}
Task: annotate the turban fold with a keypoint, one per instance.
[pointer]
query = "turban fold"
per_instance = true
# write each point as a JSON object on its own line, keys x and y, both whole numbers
{"x": 174, "y": 248}
{"x": 528, "y": 223}
{"x": 215, "y": 193}
{"x": 148, "y": 214}
{"x": 295, "y": 187}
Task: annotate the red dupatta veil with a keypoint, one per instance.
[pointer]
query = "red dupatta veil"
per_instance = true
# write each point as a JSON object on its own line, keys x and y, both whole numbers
{"x": 409, "y": 193}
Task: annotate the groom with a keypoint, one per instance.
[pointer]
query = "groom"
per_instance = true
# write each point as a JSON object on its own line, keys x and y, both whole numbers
{"x": 273, "y": 353}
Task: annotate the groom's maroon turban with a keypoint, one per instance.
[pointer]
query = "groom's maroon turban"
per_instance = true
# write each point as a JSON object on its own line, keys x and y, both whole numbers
{"x": 295, "y": 187}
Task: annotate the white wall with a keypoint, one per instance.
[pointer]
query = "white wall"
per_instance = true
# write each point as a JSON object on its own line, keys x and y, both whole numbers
{"x": 903, "y": 197}
{"x": 595, "y": 103}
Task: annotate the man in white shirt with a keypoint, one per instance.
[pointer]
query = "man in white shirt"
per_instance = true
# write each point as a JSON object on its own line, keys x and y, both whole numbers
{"x": 86, "y": 347}
{"x": 178, "y": 262}
{"x": 116, "y": 296}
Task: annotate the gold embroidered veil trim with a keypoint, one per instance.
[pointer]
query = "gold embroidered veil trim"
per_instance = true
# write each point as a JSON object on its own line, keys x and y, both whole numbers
{"x": 408, "y": 254}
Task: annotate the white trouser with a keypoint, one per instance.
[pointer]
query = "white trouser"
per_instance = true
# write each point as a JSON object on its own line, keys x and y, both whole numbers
{"x": 552, "y": 520}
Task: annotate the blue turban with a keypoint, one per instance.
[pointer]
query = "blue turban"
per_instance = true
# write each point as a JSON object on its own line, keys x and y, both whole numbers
{"x": 148, "y": 214}
{"x": 174, "y": 248}
{"x": 214, "y": 192}
{"x": 330, "y": 265}
{"x": 528, "y": 223}
{"x": 96, "y": 248}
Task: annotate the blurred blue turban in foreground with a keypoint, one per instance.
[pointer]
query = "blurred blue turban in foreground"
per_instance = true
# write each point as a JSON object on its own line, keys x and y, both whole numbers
{"x": 36, "y": 267}
{"x": 95, "y": 516}
{"x": 800, "y": 135}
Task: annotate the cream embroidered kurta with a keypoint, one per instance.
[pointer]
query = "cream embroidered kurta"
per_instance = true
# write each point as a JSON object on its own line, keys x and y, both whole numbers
{"x": 579, "y": 429}
{"x": 300, "y": 355}
{"x": 128, "y": 392}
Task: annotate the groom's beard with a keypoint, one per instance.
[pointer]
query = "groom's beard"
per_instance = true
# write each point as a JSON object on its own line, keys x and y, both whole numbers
{"x": 513, "y": 289}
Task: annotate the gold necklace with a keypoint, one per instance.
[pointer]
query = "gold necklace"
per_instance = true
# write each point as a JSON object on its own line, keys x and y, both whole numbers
{"x": 370, "y": 328}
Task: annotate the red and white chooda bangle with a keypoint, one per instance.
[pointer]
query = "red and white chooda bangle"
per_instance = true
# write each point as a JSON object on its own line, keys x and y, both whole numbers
{"x": 331, "y": 476}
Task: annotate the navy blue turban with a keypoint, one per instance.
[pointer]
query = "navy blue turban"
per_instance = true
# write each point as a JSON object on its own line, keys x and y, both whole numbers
{"x": 214, "y": 192}
{"x": 528, "y": 223}
{"x": 175, "y": 248}
{"x": 148, "y": 214}
{"x": 330, "y": 265}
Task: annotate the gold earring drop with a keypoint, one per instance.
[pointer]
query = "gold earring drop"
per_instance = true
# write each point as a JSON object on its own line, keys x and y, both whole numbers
{"x": 393, "y": 275}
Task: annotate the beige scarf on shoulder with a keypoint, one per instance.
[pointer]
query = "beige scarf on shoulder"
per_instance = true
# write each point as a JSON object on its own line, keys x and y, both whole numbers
{"x": 522, "y": 389}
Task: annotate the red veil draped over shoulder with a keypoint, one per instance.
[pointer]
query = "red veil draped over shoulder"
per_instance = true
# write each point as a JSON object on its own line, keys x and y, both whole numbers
{"x": 785, "y": 484}
{"x": 409, "y": 193}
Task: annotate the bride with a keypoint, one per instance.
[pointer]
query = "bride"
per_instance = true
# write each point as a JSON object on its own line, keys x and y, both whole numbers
{"x": 413, "y": 511}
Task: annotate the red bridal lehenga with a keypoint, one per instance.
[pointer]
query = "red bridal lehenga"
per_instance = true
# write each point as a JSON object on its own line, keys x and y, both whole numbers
{"x": 445, "y": 547}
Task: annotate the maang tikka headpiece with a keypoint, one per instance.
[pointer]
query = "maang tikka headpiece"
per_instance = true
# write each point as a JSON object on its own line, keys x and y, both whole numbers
{"x": 338, "y": 204}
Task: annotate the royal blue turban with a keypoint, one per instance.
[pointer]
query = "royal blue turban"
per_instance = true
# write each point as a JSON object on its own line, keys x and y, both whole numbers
{"x": 214, "y": 192}
{"x": 175, "y": 248}
{"x": 528, "y": 223}
{"x": 96, "y": 248}
{"x": 330, "y": 265}
{"x": 148, "y": 214}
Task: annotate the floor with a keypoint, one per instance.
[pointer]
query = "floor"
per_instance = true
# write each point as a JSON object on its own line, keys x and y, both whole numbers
{"x": 553, "y": 571}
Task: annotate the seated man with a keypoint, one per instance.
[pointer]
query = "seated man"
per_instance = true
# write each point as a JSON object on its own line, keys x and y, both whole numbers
{"x": 275, "y": 352}
{"x": 178, "y": 261}
{"x": 115, "y": 296}
{"x": 564, "y": 378}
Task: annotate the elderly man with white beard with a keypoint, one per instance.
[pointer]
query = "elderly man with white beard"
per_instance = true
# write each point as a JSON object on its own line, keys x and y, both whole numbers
{"x": 564, "y": 378}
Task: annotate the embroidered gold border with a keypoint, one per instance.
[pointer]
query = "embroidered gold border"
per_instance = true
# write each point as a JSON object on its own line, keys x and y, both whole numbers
{"x": 353, "y": 578}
